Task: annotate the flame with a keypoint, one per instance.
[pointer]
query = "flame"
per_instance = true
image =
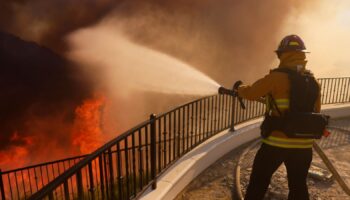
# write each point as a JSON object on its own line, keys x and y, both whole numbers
{"x": 87, "y": 130}
{"x": 15, "y": 138}
{"x": 86, "y": 135}
{"x": 19, "y": 152}
{"x": 16, "y": 158}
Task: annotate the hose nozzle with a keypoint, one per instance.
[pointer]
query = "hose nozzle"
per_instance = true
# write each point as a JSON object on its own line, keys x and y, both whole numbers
{"x": 232, "y": 92}
{"x": 223, "y": 90}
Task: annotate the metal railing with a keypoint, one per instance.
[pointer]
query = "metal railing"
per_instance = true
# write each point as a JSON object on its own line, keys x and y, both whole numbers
{"x": 335, "y": 90}
{"x": 23, "y": 182}
{"x": 129, "y": 164}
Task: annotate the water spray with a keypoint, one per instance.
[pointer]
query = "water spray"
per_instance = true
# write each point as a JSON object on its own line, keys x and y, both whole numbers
{"x": 233, "y": 92}
{"x": 126, "y": 66}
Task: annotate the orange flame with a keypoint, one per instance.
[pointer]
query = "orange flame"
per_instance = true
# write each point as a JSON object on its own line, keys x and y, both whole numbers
{"x": 86, "y": 136}
{"x": 87, "y": 130}
{"x": 19, "y": 153}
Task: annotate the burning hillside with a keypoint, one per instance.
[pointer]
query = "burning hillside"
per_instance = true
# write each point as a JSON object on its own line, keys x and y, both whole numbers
{"x": 42, "y": 98}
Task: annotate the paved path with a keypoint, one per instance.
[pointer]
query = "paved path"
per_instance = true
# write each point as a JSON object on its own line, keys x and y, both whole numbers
{"x": 217, "y": 182}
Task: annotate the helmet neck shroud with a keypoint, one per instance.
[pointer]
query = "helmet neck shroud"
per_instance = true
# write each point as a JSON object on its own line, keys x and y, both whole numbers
{"x": 293, "y": 60}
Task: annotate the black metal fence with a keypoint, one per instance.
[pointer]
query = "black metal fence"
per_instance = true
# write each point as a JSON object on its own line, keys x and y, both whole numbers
{"x": 126, "y": 166}
{"x": 23, "y": 182}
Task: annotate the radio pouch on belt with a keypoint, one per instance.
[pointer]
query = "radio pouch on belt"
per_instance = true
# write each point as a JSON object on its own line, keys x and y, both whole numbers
{"x": 300, "y": 121}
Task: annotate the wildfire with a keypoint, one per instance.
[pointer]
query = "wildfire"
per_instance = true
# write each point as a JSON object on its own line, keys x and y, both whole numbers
{"x": 87, "y": 130}
{"x": 85, "y": 136}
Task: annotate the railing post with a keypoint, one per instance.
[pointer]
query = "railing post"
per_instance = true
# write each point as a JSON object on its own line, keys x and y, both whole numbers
{"x": 66, "y": 190}
{"x": 91, "y": 179}
{"x": 233, "y": 114}
{"x": 2, "y": 187}
{"x": 80, "y": 184}
{"x": 105, "y": 174}
{"x": 102, "y": 186}
{"x": 119, "y": 172}
{"x": 111, "y": 173}
{"x": 51, "y": 195}
{"x": 153, "y": 150}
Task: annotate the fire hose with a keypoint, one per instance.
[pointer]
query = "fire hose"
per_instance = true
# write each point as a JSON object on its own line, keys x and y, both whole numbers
{"x": 331, "y": 168}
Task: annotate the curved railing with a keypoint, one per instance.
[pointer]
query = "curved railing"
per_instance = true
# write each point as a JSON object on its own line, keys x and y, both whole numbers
{"x": 129, "y": 164}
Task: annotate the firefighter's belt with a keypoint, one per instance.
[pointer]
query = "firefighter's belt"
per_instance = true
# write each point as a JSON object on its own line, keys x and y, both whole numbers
{"x": 296, "y": 125}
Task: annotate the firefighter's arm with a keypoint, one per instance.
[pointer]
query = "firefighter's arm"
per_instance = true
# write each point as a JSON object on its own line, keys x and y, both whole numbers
{"x": 260, "y": 88}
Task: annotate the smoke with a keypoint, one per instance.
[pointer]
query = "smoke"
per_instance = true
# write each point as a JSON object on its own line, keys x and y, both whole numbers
{"x": 325, "y": 29}
{"x": 215, "y": 36}
{"x": 226, "y": 40}
{"x": 220, "y": 38}
{"x": 47, "y": 22}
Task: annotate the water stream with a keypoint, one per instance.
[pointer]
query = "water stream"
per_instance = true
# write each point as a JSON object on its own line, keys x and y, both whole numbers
{"x": 128, "y": 66}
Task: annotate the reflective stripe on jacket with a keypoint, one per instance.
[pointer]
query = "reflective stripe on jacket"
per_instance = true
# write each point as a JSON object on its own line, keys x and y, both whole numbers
{"x": 277, "y": 85}
{"x": 288, "y": 142}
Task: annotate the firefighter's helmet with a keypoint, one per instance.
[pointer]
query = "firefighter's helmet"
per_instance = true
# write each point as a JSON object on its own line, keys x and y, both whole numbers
{"x": 291, "y": 43}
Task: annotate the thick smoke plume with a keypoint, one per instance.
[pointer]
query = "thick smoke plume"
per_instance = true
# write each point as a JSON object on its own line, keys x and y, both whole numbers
{"x": 47, "y": 22}
{"x": 214, "y": 36}
{"x": 220, "y": 38}
{"x": 325, "y": 29}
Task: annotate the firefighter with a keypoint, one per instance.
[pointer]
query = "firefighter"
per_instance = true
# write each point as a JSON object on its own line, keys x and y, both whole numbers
{"x": 277, "y": 147}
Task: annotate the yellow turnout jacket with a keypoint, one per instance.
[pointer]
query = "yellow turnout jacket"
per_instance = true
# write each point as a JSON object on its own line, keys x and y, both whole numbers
{"x": 278, "y": 86}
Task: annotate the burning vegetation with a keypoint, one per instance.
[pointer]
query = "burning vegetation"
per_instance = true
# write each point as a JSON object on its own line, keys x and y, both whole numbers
{"x": 47, "y": 105}
{"x": 87, "y": 129}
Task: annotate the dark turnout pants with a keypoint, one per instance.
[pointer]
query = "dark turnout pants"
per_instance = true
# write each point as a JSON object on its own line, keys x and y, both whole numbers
{"x": 267, "y": 161}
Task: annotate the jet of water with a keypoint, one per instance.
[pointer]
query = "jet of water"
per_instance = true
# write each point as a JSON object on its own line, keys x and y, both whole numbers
{"x": 129, "y": 66}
